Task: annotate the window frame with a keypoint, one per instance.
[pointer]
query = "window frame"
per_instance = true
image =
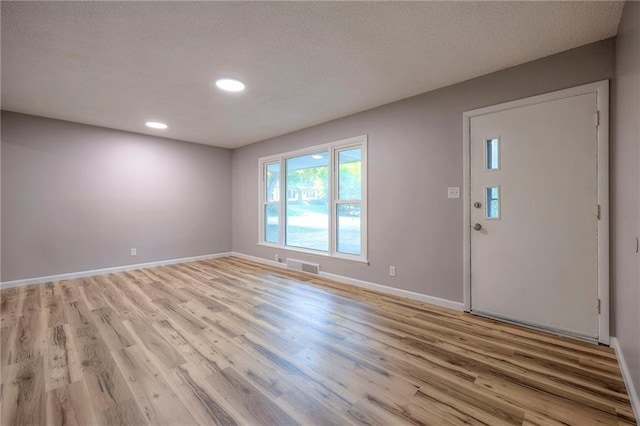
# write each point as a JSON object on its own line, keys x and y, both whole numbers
{"x": 264, "y": 197}
{"x": 333, "y": 149}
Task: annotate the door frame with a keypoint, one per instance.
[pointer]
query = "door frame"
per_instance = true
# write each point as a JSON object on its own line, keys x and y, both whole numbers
{"x": 601, "y": 88}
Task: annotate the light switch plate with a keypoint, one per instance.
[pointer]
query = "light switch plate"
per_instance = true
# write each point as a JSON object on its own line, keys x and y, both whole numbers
{"x": 453, "y": 192}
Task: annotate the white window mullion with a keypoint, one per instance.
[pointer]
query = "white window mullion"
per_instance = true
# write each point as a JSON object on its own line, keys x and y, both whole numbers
{"x": 364, "y": 213}
{"x": 263, "y": 198}
{"x": 333, "y": 243}
{"x": 283, "y": 203}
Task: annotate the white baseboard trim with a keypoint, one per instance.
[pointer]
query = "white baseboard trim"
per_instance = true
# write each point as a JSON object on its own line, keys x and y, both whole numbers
{"x": 626, "y": 375}
{"x": 340, "y": 278}
{"x": 82, "y": 274}
{"x": 458, "y": 306}
{"x": 259, "y": 260}
{"x": 445, "y": 303}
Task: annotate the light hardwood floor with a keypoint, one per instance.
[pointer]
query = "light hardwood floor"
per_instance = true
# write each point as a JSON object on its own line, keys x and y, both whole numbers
{"x": 228, "y": 341}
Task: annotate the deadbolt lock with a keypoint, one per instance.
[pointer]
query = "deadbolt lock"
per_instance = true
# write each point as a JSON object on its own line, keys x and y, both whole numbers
{"x": 477, "y": 204}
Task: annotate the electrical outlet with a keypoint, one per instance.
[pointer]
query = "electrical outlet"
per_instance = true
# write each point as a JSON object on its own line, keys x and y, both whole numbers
{"x": 392, "y": 271}
{"x": 277, "y": 257}
{"x": 134, "y": 252}
{"x": 453, "y": 192}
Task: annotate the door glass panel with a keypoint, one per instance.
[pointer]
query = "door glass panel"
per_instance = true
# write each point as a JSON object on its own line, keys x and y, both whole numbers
{"x": 493, "y": 202}
{"x": 493, "y": 153}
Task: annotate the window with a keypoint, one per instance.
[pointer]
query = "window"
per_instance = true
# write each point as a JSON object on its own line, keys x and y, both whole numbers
{"x": 348, "y": 231}
{"x": 307, "y": 217}
{"x": 492, "y": 154}
{"x": 493, "y": 202}
{"x": 317, "y": 204}
{"x": 271, "y": 202}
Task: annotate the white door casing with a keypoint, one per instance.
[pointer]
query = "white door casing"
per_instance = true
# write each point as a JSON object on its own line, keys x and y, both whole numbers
{"x": 544, "y": 261}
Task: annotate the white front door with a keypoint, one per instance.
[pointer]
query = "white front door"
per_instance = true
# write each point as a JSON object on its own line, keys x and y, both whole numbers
{"x": 534, "y": 215}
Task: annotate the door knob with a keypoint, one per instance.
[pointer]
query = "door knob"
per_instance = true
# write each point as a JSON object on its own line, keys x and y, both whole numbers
{"x": 477, "y": 204}
{"x": 477, "y": 227}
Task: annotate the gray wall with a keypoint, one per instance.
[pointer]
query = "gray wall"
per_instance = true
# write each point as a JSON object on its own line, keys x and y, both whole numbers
{"x": 625, "y": 189}
{"x": 77, "y": 197}
{"x": 415, "y": 153}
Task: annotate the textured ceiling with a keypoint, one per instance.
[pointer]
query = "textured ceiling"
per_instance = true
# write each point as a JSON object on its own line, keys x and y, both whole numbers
{"x": 118, "y": 64}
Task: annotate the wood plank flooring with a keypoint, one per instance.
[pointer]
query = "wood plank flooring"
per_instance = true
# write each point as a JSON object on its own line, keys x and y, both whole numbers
{"x": 228, "y": 341}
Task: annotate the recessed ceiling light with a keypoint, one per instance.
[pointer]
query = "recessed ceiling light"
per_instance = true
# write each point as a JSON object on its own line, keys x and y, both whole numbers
{"x": 156, "y": 125}
{"x": 230, "y": 85}
{"x": 316, "y": 157}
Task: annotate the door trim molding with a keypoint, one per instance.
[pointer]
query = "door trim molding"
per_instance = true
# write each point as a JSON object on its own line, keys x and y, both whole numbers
{"x": 601, "y": 88}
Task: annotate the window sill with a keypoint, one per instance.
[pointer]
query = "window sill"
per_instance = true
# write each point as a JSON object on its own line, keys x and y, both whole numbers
{"x": 314, "y": 253}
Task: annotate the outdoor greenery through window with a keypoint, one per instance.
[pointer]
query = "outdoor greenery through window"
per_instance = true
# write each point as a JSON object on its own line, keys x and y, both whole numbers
{"x": 307, "y": 207}
{"x": 313, "y": 200}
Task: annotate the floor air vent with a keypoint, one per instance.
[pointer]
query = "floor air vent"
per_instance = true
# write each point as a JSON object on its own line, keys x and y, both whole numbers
{"x": 299, "y": 265}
